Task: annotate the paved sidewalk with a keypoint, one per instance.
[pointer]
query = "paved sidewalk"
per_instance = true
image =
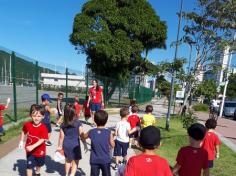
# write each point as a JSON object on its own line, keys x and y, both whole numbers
{"x": 225, "y": 129}
{"x": 14, "y": 163}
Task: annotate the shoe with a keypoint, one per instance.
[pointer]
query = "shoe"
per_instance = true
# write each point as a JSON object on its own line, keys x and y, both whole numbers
{"x": 36, "y": 174}
{"x": 124, "y": 162}
{"x": 116, "y": 167}
{"x": 2, "y": 134}
{"x": 48, "y": 143}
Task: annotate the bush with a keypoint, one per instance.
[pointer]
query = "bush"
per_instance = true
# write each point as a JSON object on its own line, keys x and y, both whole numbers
{"x": 188, "y": 119}
{"x": 200, "y": 107}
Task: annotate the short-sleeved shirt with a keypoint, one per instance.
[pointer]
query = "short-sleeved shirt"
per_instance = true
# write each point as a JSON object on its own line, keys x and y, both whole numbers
{"x": 148, "y": 120}
{"x": 46, "y": 118}
{"x": 122, "y": 128}
{"x": 2, "y": 107}
{"x": 77, "y": 108}
{"x": 95, "y": 95}
{"x": 210, "y": 142}
{"x": 100, "y": 146}
{"x": 34, "y": 134}
{"x": 134, "y": 120}
{"x": 192, "y": 161}
{"x": 147, "y": 165}
{"x": 86, "y": 109}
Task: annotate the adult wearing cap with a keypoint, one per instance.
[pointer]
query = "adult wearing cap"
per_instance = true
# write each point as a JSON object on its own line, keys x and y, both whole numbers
{"x": 148, "y": 163}
{"x": 46, "y": 100}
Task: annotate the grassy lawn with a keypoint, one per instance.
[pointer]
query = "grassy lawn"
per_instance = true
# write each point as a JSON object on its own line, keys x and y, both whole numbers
{"x": 177, "y": 137}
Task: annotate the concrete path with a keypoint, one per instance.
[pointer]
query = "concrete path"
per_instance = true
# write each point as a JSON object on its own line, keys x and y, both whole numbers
{"x": 14, "y": 163}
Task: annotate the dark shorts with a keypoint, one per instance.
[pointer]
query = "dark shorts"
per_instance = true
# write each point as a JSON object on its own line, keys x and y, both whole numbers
{"x": 72, "y": 152}
{"x": 33, "y": 161}
{"x": 134, "y": 135}
{"x": 49, "y": 127}
{"x": 1, "y": 129}
{"x": 210, "y": 163}
{"x": 121, "y": 148}
{"x": 105, "y": 168}
{"x": 95, "y": 107}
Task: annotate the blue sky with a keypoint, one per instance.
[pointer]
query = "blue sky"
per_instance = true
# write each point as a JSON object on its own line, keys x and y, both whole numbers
{"x": 41, "y": 29}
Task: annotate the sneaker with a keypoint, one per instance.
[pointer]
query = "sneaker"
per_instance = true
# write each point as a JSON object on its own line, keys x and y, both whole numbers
{"x": 48, "y": 143}
{"x": 36, "y": 174}
{"x": 116, "y": 167}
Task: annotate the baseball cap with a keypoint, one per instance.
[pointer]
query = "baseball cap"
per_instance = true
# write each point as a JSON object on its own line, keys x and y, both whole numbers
{"x": 150, "y": 137}
{"x": 46, "y": 97}
{"x": 197, "y": 131}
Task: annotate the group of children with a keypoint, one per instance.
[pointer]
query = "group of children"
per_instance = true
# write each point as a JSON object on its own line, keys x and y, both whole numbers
{"x": 130, "y": 130}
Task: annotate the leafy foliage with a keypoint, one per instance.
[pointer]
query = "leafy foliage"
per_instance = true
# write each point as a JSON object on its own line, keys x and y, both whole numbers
{"x": 114, "y": 34}
{"x": 207, "y": 88}
{"x": 200, "y": 107}
{"x": 188, "y": 119}
{"x": 231, "y": 89}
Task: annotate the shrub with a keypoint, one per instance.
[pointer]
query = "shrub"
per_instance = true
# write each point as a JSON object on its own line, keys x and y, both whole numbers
{"x": 188, "y": 119}
{"x": 200, "y": 107}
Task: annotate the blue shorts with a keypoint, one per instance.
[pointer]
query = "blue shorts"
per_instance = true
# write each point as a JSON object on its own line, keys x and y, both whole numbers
{"x": 33, "y": 161}
{"x": 1, "y": 129}
{"x": 121, "y": 148}
{"x": 49, "y": 127}
{"x": 95, "y": 107}
{"x": 105, "y": 168}
{"x": 210, "y": 163}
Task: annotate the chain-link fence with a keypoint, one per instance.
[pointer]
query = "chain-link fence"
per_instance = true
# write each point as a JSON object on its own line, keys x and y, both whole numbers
{"x": 24, "y": 80}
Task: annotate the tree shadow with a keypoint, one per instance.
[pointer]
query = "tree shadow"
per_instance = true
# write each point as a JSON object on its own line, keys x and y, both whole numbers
{"x": 20, "y": 166}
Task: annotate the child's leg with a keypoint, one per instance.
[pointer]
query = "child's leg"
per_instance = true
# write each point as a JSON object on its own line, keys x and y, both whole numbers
{"x": 74, "y": 167}
{"x": 29, "y": 172}
{"x": 38, "y": 169}
{"x": 67, "y": 167}
{"x": 106, "y": 170}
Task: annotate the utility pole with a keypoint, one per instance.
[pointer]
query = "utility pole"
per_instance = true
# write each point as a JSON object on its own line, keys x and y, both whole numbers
{"x": 173, "y": 72}
{"x": 5, "y": 68}
{"x": 10, "y": 70}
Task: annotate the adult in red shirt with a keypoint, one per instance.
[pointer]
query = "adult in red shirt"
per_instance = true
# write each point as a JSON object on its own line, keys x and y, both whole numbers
{"x": 95, "y": 97}
{"x": 36, "y": 134}
{"x": 192, "y": 159}
{"x": 77, "y": 107}
{"x": 134, "y": 121}
{"x": 148, "y": 163}
{"x": 211, "y": 142}
{"x": 2, "y": 108}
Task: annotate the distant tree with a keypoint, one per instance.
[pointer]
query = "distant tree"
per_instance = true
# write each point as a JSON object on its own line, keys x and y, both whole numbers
{"x": 114, "y": 35}
{"x": 231, "y": 88}
{"x": 207, "y": 89}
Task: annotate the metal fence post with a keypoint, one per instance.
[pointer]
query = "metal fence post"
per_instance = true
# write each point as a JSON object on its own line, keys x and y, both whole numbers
{"x": 66, "y": 85}
{"x": 37, "y": 82}
{"x": 13, "y": 71}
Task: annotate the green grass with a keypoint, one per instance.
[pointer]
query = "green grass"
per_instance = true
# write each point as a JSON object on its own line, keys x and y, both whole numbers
{"x": 177, "y": 137}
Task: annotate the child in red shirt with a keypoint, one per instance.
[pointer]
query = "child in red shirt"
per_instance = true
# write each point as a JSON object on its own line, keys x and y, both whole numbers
{"x": 134, "y": 121}
{"x": 211, "y": 142}
{"x": 192, "y": 159}
{"x": 148, "y": 163}
{"x": 86, "y": 109}
{"x": 77, "y": 107}
{"x": 3, "y": 107}
{"x": 36, "y": 134}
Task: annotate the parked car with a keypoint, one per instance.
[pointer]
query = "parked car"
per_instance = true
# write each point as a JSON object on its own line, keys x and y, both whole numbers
{"x": 229, "y": 108}
{"x": 235, "y": 114}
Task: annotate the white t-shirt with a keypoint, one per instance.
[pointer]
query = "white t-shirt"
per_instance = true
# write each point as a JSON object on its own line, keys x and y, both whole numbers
{"x": 214, "y": 103}
{"x": 122, "y": 128}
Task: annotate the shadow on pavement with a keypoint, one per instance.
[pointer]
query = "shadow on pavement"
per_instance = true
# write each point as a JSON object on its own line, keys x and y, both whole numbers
{"x": 52, "y": 166}
{"x": 20, "y": 165}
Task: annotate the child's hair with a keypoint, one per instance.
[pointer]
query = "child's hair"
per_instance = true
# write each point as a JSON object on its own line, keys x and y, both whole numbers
{"x": 60, "y": 94}
{"x": 132, "y": 102}
{"x": 197, "y": 131}
{"x": 150, "y": 137}
{"x": 69, "y": 114}
{"x": 211, "y": 124}
{"x": 34, "y": 108}
{"x": 134, "y": 109}
{"x": 100, "y": 117}
{"x": 124, "y": 112}
{"x": 149, "y": 109}
{"x": 86, "y": 97}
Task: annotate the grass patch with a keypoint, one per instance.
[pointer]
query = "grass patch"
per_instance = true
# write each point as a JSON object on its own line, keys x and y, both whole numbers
{"x": 177, "y": 137}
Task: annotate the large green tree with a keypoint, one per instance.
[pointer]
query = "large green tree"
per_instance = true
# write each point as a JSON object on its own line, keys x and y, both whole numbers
{"x": 207, "y": 89}
{"x": 116, "y": 36}
{"x": 231, "y": 88}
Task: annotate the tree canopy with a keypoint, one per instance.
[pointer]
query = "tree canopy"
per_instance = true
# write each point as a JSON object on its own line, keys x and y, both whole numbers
{"x": 231, "y": 89}
{"x": 115, "y": 34}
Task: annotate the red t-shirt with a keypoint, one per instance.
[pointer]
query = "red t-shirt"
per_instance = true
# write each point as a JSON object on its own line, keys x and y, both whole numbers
{"x": 34, "y": 134}
{"x": 77, "y": 108}
{"x": 96, "y": 96}
{"x": 147, "y": 165}
{"x": 86, "y": 109}
{"x": 209, "y": 144}
{"x": 192, "y": 161}
{"x": 134, "y": 120}
{"x": 2, "y": 107}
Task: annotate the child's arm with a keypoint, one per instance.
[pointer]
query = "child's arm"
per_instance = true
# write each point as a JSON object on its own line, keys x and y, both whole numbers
{"x": 206, "y": 172}
{"x": 8, "y": 102}
{"x": 21, "y": 143}
{"x": 32, "y": 147}
{"x": 176, "y": 169}
{"x": 61, "y": 139}
{"x": 112, "y": 142}
{"x": 83, "y": 138}
{"x": 217, "y": 151}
